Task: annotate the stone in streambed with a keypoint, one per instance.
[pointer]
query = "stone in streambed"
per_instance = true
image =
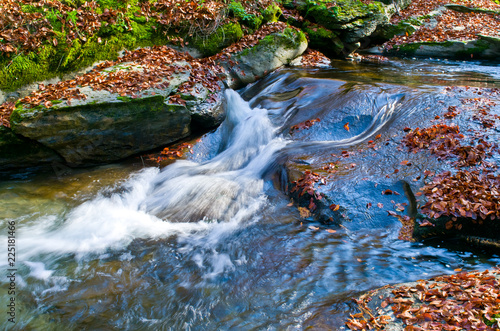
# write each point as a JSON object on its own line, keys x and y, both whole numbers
{"x": 19, "y": 152}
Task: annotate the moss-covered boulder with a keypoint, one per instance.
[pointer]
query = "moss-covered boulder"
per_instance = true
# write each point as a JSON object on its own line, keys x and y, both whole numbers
{"x": 270, "y": 53}
{"x": 338, "y": 28}
{"x": 219, "y": 39}
{"x": 105, "y": 126}
{"x": 427, "y": 36}
{"x": 324, "y": 39}
{"x": 19, "y": 152}
{"x": 105, "y": 130}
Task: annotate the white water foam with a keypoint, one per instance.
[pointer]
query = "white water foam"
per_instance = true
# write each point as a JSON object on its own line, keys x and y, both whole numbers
{"x": 206, "y": 200}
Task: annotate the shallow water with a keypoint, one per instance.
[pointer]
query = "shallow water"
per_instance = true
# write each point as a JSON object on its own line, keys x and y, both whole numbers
{"x": 211, "y": 242}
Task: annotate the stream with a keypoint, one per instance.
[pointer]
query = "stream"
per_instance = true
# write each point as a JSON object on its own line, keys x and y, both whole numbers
{"x": 211, "y": 242}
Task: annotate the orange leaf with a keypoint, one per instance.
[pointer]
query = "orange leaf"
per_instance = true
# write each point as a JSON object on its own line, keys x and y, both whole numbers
{"x": 334, "y": 207}
{"x": 346, "y": 126}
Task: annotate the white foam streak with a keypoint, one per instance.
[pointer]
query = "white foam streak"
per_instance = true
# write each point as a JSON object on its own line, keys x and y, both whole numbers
{"x": 199, "y": 202}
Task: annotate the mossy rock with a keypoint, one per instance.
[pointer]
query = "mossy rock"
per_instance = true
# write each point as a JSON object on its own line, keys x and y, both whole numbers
{"x": 250, "y": 20}
{"x": 344, "y": 12}
{"x": 388, "y": 31}
{"x": 221, "y": 38}
{"x": 104, "y": 131}
{"x": 51, "y": 61}
{"x": 272, "y": 13}
{"x": 272, "y": 52}
{"x": 19, "y": 152}
{"x": 323, "y": 40}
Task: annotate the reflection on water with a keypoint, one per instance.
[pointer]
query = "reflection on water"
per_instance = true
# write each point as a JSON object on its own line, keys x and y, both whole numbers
{"x": 210, "y": 242}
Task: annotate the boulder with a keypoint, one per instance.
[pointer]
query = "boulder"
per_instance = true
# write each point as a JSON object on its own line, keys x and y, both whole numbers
{"x": 339, "y": 28}
{"x": 104, "y": 126}
{"x": 485, "y": 47}
{"x": 19, "y": 152}
{"x": 269, "y": 54}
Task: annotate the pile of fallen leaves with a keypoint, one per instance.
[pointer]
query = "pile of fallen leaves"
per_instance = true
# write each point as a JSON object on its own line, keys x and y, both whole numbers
{"x": 27, "y": 31}
{"x": 465, "y": 301}
{"x": 171, "y": 153}
{"x": 418, "y": 8}
{"x": 305, "y": 184}
{"x": 433, "y": 138}
{"x": 447, "y": 28}
{"x": 303, "y": 125}
{"x": 445, "y": 141}
{"x": 464, "y": 194}
{"x": 157, "y": 64}
{"x": 472, "y": 194}
{"x": 312, "y": 58}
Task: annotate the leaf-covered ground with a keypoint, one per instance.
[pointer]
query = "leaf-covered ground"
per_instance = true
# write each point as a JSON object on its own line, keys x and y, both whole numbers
{"x": 157, "y": 63}
{"x": 450, "y": 25}
{"x": 465, "y": 301}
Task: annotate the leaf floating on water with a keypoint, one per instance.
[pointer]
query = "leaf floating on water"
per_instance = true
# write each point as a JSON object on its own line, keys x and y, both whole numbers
{"x": 314, "y": 228}
{"x": 346, "y": 126}
{"x": 380, "y": 205}
{"x": 334, "y": 207}
{"x": 330, "y": 231}
{"x": 304, "y": 212}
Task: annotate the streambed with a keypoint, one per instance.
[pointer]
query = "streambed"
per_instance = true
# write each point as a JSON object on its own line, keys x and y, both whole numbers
{"x": 212, "y": 242}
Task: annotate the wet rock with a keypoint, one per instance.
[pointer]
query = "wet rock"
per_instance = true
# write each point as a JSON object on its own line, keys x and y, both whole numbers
{"x": 485, "y": 47}
{"x": 18, "y": 152}
{"x": 105, "y": 126}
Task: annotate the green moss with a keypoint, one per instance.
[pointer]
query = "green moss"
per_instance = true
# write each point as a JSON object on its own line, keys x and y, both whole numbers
{"x": 124, "y": 99}
{"x": 252, "y": 21}
{"x": 290, "y": 38}
{"x": 345, "y": 11}
{"x": 221, "y": 38}
{"x": 324, "y": 40}
{"x": 272, "y": 13}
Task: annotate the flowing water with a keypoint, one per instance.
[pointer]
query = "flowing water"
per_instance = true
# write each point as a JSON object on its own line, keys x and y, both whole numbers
{"x": 211, "y": 242}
